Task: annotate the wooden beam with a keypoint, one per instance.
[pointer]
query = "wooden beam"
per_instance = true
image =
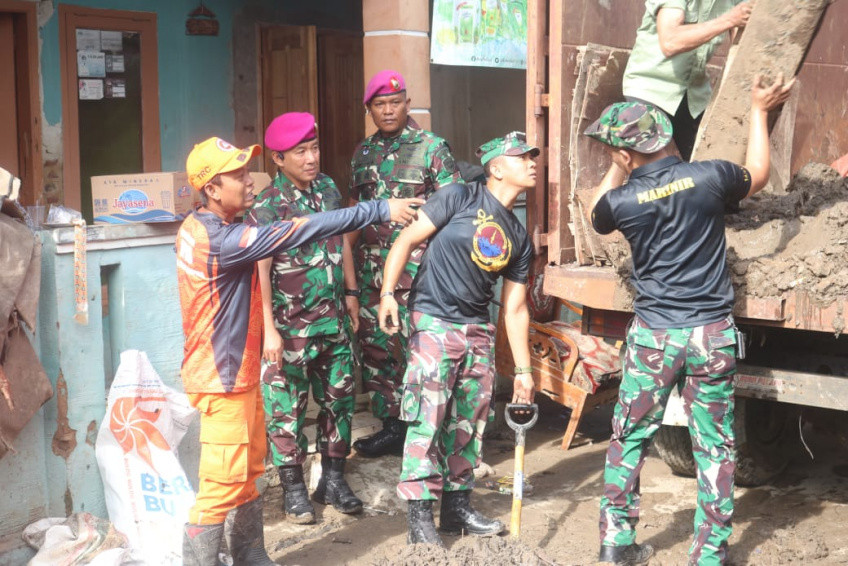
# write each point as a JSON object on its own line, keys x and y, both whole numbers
{"x": 535, "y": 114}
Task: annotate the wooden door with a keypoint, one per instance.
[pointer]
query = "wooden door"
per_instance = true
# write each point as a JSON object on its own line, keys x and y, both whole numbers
{"x": 8, "y": 98}
{"x": 20, "y": 101}
{"x": 340, "y": 102}
{"x": 289, "y": 74}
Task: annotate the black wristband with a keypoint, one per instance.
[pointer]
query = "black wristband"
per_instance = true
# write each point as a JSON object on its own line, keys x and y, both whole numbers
{"x": 353, "y": 292}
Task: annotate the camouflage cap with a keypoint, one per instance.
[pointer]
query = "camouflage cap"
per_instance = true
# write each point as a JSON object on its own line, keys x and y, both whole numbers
{"x": 514, "y": 143}
{"x": 632, "y": 125}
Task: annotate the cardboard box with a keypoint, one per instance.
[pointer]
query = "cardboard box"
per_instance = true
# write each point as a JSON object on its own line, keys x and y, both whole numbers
{"x": 149, "y": 197}
{"x": 260, "y": 181}
{"x": 142, "y": 197}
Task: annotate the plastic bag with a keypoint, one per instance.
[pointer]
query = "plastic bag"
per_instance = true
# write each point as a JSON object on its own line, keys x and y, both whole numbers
{"x": 80, "y": 539}
{"x": 62, "y": 215}
{"x": 147, "y": 492}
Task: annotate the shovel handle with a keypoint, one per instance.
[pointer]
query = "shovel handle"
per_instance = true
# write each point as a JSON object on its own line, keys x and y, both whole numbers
{"x": 517, "y": 488}
{"x": 520, "y": 407}
{"x": 518, "y": 477}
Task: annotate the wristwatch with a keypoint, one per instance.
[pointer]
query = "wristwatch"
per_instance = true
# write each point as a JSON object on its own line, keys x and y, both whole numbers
{"x": 387, "y": 294}
{"x": 353, "y": 292}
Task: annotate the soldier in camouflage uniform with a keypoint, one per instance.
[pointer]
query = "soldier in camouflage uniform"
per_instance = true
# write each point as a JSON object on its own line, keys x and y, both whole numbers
{"x": 400, "y": 159}
{"x": 683, "y": 336}
{"x": 447, "y": 389}
{"x": 307, "y": 335}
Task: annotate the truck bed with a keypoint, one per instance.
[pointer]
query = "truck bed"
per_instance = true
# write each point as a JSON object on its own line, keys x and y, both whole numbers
{"x": 602, "y": 288}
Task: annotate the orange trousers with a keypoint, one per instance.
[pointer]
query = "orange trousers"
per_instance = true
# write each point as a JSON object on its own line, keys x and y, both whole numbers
{"x": 232, "y": 452}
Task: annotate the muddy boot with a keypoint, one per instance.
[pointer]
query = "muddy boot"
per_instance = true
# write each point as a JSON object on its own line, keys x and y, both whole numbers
{"x": 422, "y": 527}
{"x": 388, "y": 441}
{"x": 630, "y": 555}
{"x": 333, "y": 489}
{"x": 201, "y": 543}
{"x": 295, "y": 496}
{"x": 458, "y": 517}
{"x": 245, "y": 537}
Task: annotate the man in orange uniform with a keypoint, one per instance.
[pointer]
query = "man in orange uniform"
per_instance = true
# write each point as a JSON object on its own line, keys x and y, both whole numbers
{"x": 222, "y": 322}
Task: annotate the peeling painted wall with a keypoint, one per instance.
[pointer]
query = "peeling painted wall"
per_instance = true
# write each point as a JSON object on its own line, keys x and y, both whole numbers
{"x": 54, "y": 472}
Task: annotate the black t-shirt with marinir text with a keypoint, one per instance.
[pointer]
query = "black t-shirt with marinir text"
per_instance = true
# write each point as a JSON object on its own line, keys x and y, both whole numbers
{"x": 672, "y": 214}
{"x": 477, "y": 240}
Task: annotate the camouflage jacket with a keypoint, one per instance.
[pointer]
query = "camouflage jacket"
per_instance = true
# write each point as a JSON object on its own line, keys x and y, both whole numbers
{"x": 307, "y": 282}
{"x": 412, "y": 164}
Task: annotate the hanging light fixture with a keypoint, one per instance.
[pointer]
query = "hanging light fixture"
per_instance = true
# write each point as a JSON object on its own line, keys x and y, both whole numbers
{"x": 202, "y": 21}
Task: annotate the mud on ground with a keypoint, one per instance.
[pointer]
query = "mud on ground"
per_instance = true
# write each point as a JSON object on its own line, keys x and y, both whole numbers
{"x": 798, "y": 519}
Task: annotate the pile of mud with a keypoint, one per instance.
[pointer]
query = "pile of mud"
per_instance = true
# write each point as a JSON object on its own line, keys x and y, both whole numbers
{"x": 797, "y": 241}
{"x": 469, "y": 551}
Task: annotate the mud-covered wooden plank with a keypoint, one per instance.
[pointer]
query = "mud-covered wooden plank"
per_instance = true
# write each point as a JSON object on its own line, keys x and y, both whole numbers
{"x": 775, "y": 40}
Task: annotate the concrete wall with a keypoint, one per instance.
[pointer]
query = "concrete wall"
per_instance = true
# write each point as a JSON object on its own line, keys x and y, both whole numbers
{"x": 471, "y": 105}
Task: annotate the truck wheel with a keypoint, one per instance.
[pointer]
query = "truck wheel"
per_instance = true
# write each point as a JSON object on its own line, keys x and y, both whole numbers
{"x": 675, "y": 448}
{"x": 764, "y": 443}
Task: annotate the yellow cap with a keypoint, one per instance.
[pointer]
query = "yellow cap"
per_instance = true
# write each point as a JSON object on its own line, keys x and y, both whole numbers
{"x": 213, "y": 156}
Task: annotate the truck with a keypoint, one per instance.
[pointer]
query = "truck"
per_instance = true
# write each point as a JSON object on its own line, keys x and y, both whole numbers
{"x": 788, "y": 252}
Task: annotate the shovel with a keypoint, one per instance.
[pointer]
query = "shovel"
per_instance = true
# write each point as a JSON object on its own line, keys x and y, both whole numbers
{"x": 520, "y": 429}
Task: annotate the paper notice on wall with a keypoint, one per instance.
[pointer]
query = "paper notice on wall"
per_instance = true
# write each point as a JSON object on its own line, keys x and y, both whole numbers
{"x": 91, "y": 64}
{"x": 88, "y": 40}
{"x": 112, "y": 41}
{"x": 114, "y": 63}
{"x": 116, "y": 88}
{"x": 479, "y": 33}
{"x": 90, "y": 89}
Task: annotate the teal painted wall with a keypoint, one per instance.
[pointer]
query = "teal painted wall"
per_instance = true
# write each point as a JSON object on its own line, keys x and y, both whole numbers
{"x": 139, "y": 273}
{"x": 195, "y": 72}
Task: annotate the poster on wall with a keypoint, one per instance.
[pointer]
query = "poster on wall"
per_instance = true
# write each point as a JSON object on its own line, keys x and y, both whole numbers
{"x": 114, "y": 63}
{"x": 112, "y": 41}
{"x": 91, "y": 64}
{"x": 116, "y": 88}
{"x": 88, "y": 40}
{"x": 90, "y": 89}
{"x": 479, "y": 33}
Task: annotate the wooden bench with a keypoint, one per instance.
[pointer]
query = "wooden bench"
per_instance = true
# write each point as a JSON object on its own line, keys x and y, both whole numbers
{"x": 575, "y": 370}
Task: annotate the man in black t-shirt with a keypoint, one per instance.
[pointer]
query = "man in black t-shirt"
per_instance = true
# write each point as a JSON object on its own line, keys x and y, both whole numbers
{"x": 683, "y": 335}
{"x": 447, "y": 389}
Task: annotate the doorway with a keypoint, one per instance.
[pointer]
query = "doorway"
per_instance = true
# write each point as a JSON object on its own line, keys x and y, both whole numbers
{"x": 110, "y": 97}
{"x": 20, "y": 103}
{"x": 307, "y": 69}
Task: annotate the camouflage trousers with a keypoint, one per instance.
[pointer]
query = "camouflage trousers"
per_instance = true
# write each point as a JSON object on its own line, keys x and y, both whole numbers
{"x": 447, "y": 401}
{"x": 701, "y": 363}
{"x": 383, "y": 356}
{"x": 324, "y": 362}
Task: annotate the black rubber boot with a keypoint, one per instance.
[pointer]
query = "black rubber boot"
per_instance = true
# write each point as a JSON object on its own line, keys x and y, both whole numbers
{"x": 295, "y": 495}
{"x": 458, "y": 517}
{"x": 388, "y": 441}
{"x": 333, "y": 489}
{"x": 422, "y": 527}
{"x": 630, "y": 555}
{"x": 245, "y": 535}
{"x": 201, "y": 543}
